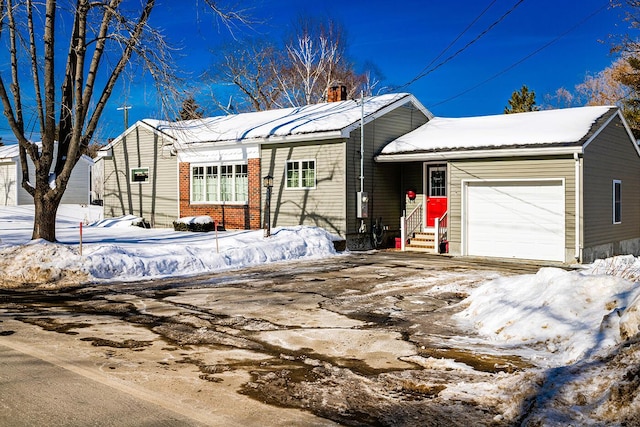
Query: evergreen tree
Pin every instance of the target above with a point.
(521, 101)
(190, 109)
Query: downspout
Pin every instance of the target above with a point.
(576, 158)
(362, 225)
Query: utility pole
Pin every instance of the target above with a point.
(126, 109)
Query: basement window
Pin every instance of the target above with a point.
(617, 201)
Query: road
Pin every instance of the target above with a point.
(346, 340)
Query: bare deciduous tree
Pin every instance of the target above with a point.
(300, 73)
(103, 37)
(252, 66)
(605, 87)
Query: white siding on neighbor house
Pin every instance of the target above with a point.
(8, 184)
(78, 187)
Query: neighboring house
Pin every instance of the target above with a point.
(12, 193)
(559, 185)
(214, 166)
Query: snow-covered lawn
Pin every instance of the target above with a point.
(577, 327)
(114, 249)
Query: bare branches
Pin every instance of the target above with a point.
(103, 39)
(300, 73)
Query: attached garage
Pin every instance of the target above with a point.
(554, 185)
(515, 219)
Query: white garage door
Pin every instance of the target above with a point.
(519, 219)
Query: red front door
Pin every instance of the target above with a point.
(436, 192)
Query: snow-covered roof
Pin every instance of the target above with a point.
(570, 126)
(326, 120)
(11, 152)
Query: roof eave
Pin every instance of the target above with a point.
(384, 110)
(479, 154)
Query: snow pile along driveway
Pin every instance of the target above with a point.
(567, 315)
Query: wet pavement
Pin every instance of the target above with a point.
(357, 339)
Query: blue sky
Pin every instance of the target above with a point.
(403, 38)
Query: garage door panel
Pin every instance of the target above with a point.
(516, 219)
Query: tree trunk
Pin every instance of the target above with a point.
(44, 220)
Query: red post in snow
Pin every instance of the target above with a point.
(215, 225)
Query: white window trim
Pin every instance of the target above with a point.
(131, 180)
(613, 201)
(301, 187)
(219, 165)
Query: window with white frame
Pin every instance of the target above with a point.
(219, 183)
(301, 173)
(617, 201)
(139, 175)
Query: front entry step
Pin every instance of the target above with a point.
(424, 241)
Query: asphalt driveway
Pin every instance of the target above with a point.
(357, 339)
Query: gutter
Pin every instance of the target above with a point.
(478, 154)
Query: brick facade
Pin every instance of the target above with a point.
(231, 216)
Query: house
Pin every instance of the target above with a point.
(214, 166)
(558, 185)
(140, 172)
(78, 187)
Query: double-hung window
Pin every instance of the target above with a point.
(617, 201)
(301, 174)
(219, 183)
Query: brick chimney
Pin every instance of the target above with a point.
(337, 93)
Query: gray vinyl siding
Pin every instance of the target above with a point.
(510, 169)
(382, 182)
(156, 200)
(610, 156)
(332, 204)
(322, 206)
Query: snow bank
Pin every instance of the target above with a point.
(115, 249)
(567, 314)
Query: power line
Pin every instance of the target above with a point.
(454, 40)
(515, 64)
(465, 47)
